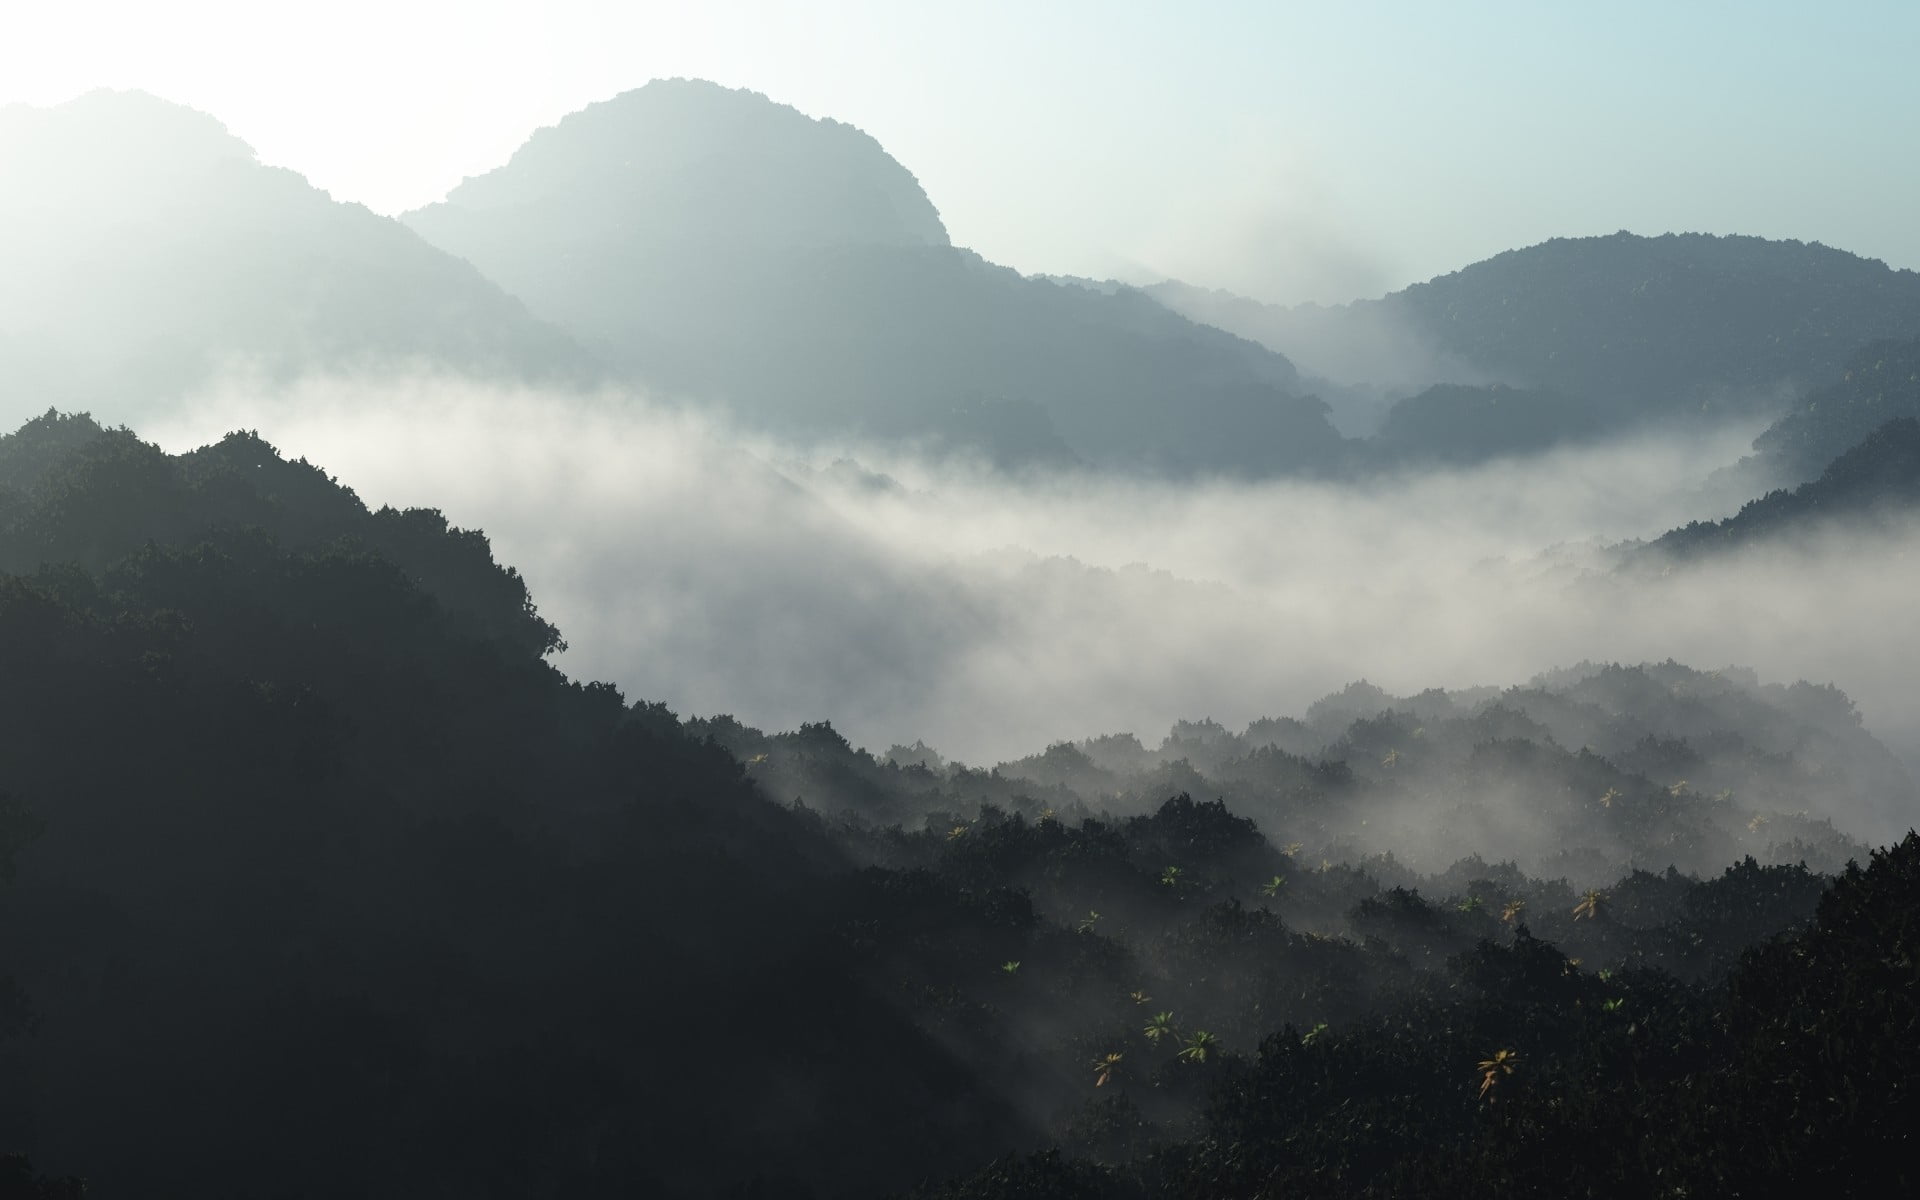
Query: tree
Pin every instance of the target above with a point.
(1160, 1025)
(1592, 903)
(1493, 1070)
(1199, 1046)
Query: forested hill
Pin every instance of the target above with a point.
(728, 248)
(1867, 488)
(1880, 382)
(147, 250)
(317, 879)
(1664, 324)
(1632, 328)
(1581, 774)
(340, 889)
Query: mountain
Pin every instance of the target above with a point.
(147, 250)
(318, 879)
(1879, 383)
(1876, 482)
(730, 248)
(1460, 424)
(1636, 328)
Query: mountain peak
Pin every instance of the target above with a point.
(115, 132)
(680, 155)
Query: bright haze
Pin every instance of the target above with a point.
(747, 333)
(1286, 152)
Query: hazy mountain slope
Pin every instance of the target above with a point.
(1875, 482)
(1879, 383)
(146, 249)
(1637, 327)
(731, 248)
(1459, 423)
(1581, 773)
(1658, 324)
(1352, 344)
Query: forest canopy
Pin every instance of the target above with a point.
(519, 936)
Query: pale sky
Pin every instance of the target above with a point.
(1287, 151)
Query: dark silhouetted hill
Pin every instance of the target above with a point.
(729, 248)
(317, 879)
(320, 881)
(147, 251)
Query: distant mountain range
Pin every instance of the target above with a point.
(715, 247)
(147, 250)
(720, 244)
(1633, 328)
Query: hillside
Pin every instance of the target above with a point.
(731, 249)
(1580, 774)
(1635, 327)
(318, 880)
(1460, 424)
(148, 251)
(1874, 483)
(324, 883)
(1879, 383)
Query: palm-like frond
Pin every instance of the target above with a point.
(1493, 1070)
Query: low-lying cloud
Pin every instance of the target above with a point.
(991, 617)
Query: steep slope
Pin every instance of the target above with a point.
(1879, 383)
(730, 248)
(1876, 482)
(1635, 327)
(147, 250)
(339, 889)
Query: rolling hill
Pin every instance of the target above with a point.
(727, 247)
(150, 253)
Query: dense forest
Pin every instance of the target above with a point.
(323, 881)
(328, 868)
(1869, 488)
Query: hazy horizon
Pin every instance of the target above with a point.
(1289, 155)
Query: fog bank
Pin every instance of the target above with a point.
(905, 599)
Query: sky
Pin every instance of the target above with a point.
(1291, 152)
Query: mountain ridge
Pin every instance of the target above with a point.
(150, 252)
(1678, 326)
(721, 285)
